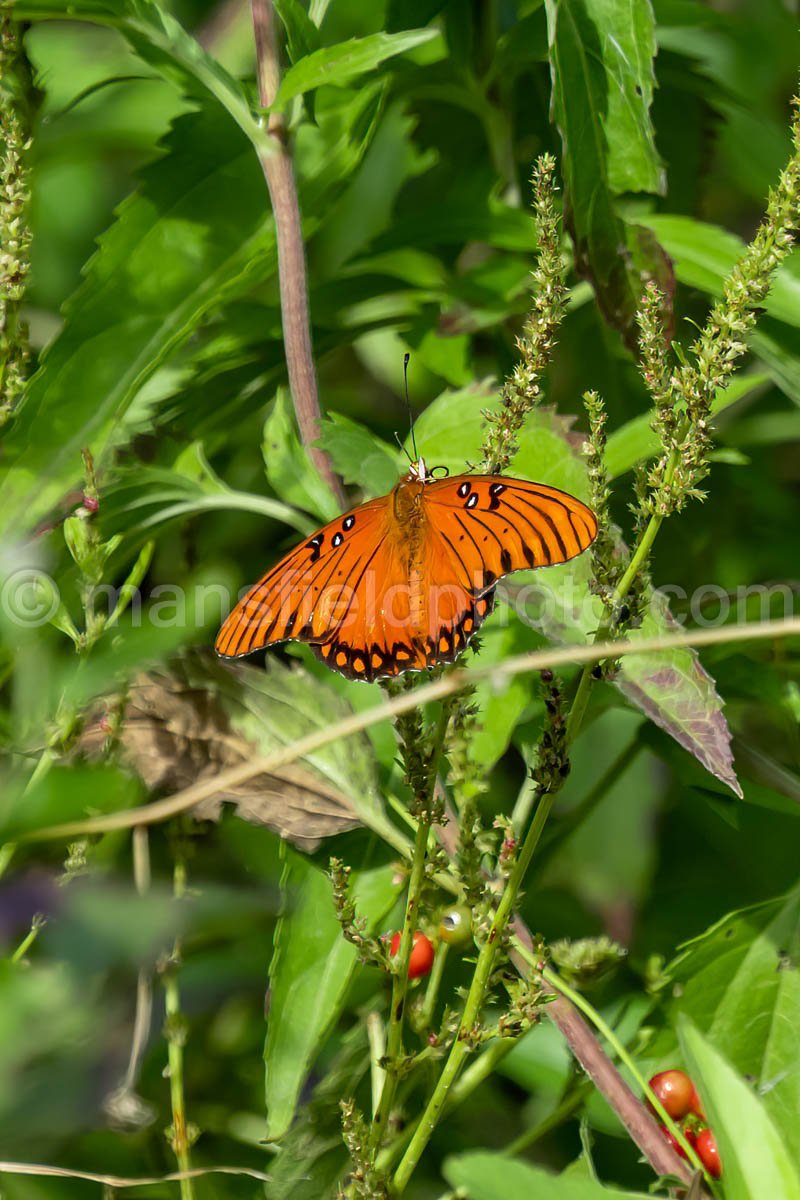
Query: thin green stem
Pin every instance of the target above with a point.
(26, 943)
(569, 1105)
(434, 983)
(394, 1039)
(480, 982)
(523, 803)
(558, 834)
(176, 1037)
(376, 1035)
(620, 1050)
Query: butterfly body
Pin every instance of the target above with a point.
(402, 582)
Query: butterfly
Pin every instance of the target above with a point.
(402, 583)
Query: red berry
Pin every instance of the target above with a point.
(706, 1147)
(668, 1136)
(421, 959)
(696, 1104)
(675, 1090)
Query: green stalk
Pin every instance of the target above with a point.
(26, 943)
(175, 1041)
(638, 559)
(563, 1110)
(619, 1048)
(475, 998)
(470, 1079)
(394, 1040)
(434, 983)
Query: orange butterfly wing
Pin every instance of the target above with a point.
(494, 525)
(304, 596)
(401, 583)
(479, 528)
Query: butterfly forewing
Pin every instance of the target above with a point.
(307, 594)
(496, 525)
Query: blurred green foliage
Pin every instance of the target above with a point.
(154, 309)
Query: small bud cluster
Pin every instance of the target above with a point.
(465, 776)
(364, 1182)
(354, 928)
(522, 392)
(587, 960)
(15, 237)
(420, 753)
(509, 845)
(552, 754)
(684, 391)
(528, 997)
(607, 559)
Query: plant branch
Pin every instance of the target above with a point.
(650, 1136)
(180, 1135)
(479, 987)
(684, 396)
(455, 681)
(394, 1040)
(279, 174)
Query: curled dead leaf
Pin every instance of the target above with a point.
(183, 725)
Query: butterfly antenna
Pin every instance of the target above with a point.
(402, 446)
(406, 358)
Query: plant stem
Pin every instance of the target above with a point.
(448, 685)
(176, 1037)
(575, 998)
(394, 1040)
(570, 1104)
(279, 174)
(480, 982)
(26, 943)
(140, 846)
(470, 1079)
(377, 1050)
(434, 983)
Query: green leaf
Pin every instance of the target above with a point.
(147, 498)
(360, 456)
(197, 228)
(311, 968)
(484, 1176)
(302, 34)
(601, 54)
(636, 440)
(275, 705)
(450, 431)
(160, 40)
(341, 64)
(289, 468)
(675, 691)
(756, 1162)
(739, 983)
(704, 255)
(66, 794)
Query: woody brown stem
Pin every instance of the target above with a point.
(279, 174)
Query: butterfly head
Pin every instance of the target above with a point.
(420, 472)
